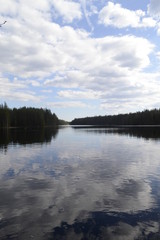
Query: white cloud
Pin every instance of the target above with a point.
(33, 83)
(70, 104)
(137, 96)
(90, 94)
(47, 91)
(148, 22)
(68, 9)
(116, 58)
(86, 14)
(158, 55)
(16, 89)
(115, 15)
(158, 29)
(44, 53)
(117, 68)
(39, 48)
(9, 7)
(154, 8)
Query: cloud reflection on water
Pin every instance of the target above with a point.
(77, 179)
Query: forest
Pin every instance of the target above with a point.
(146, 117)
(26, 117)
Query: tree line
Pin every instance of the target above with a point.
(26, 117)
(146, 117)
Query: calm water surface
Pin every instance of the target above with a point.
(80, 184)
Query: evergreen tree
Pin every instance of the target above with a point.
(26, 117)
(146, 117)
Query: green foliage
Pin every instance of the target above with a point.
(146, 117)
(4, 115)
(26, 117)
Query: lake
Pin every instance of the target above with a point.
(80, 183)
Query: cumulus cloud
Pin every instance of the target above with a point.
(16, 89)
(116, 58)
(64, 57)
(117, 16)
(67, 9)
(143, 93)
(36, 48)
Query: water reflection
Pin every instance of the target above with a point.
(110, 227)
(149, 132)
(26, 136)
(82, 185)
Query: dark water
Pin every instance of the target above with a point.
(80, 184)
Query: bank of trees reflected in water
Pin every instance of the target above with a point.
(147, 133)
(24, 136)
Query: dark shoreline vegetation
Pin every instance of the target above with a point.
(146, 117)
(27, 117)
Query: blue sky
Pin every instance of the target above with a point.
(80, 58)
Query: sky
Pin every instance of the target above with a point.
(80, 58)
